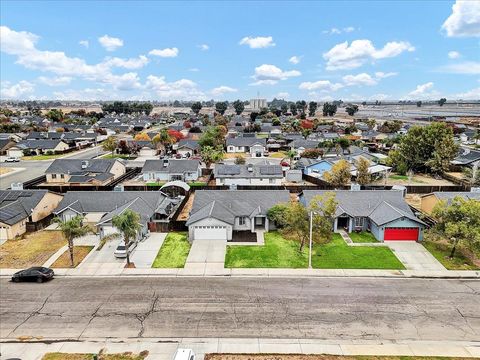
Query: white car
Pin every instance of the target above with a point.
(184, 354)
(121, 251)
(12, 159)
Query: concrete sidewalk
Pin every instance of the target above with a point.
(164, 348)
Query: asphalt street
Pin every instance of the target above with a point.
(320, 308)
(35, 169)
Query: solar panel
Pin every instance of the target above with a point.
(270, 170)
(229, 170)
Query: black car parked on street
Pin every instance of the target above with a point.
(37, 273)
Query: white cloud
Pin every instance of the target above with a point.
(294, 59)
(110, 43)
(282, 95)
(382, 75)
(319, 97)
(194, 69)
(379, 97)
(88, 94)
(464, 20)
(55, 81)
(345, 56)
(17, 42)
(16, 91)
(467, 67)
(424, 91)
(453, 54)
(165, 53)
(360, 79)
(132, 63)
(127, 81)
(183, 89)
(321, 85)
(84, 43)
(267, 74)
(203, 47)
(257, 42)
(223, 90)
(473, 94)
(336, 31)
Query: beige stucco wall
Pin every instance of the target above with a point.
(46, 206)
(16, 229)
(428, 202)
(118, 169)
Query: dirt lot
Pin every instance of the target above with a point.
(5, 170)
(32, 250)
(79, 253)
(414, 200)
(317, 357)
(186, 209)
(417, 179)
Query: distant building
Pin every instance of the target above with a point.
(257, 104)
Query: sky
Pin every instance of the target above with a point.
(227, 50)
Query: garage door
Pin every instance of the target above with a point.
(401, 233)
(3, 233)
(210, 233)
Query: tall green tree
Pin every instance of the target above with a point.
(196, 107)
(293, 109)
(351, 109)
(71, 230)
(128, 224)
(459, 222)
(221, 107)
(212, 137)
(110, 144)
(363, 175)
(442, 101)
(312, 108)
(339, 175)
(211, 155)
(239, 106)
(284, 108)
(329, 109)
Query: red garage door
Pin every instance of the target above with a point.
(401, 233)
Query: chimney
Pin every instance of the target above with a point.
(84, 164)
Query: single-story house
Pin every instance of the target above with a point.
(99, 207)
(84, 172)
(37, 147)
(187, 147)
(22, 208)
(5, 144)
(169, 170)
(301, 145)
(467, 157)
(429, 201)
(314, 167)
(217, 214)
(382, 212)
(248, 174)
(256, 147)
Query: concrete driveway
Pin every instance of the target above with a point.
(206, 256)
(102, 262)
(147, 250)
(414, 256)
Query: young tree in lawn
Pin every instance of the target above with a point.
(196, 107)
(72, 229)
(339, 175)
(363, 175)
(110, 144)
(312, 108)
(239, 106)
(211, 155)
(459, 222)
(128, 224)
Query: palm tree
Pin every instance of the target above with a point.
(72, 229)
(128, 224)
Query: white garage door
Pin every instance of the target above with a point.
(210, 233)
(3, 233)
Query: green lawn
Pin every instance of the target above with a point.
(442, 252)
(43, 157)
(338, 255)
(362, 237)
(118, 156)
(173, 252)
(276, 253)
(159, 183)
(282, 253)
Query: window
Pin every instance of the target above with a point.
(359, 221)
(62, 176)
(241, 220)
(54, 176)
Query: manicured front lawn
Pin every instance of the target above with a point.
(79, 253)
(338, 255)
(159, 183)
(68, 356)
(441, 252)
(32, 250)
(279, 252)
(362, 237)
(276, 253)
(43, 157)
(174, 251)
(277, 155)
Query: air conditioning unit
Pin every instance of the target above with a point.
(16, 186)
(84, 164)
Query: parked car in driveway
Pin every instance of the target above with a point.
(12, 159)
(184, 354)
(37, 273)
(121, 250)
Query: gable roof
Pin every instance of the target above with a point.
(38, 144)
(246, 141)
(16, 205)
(381, 206)
(242, 171)
(74, 166)
(225, 205)
(173, 166)
(466, 156)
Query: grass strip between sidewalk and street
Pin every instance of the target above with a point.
(219, 356)
(102, 356)
(174, 251)
(79, 253)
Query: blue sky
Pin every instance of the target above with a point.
(228, 50)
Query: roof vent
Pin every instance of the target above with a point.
(16, 186)
(84, 164)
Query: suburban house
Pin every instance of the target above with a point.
(170, 170)
(99, 207)
(5, 144)
(300, 145)
(467, 157)
(187, 147)
(22, 210)
(248, 174)
(246, 144)
(429, 201)
(382, 212)
(77, 172)
(37, 147)
(220, 214)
